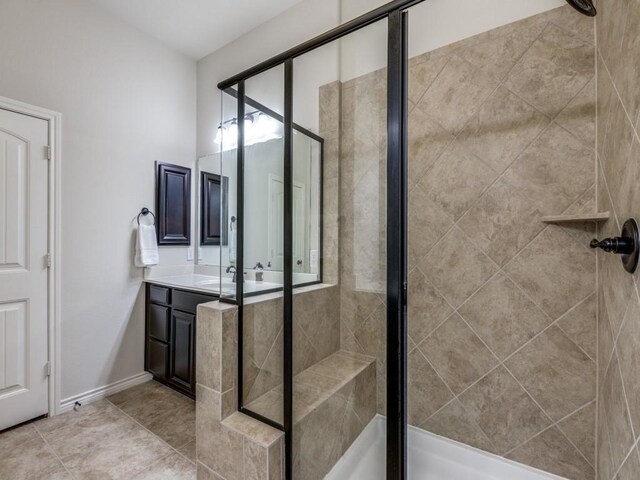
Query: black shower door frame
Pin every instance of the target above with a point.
(397, 147)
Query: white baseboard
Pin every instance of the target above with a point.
(102, 392)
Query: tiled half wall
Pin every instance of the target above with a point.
(502, 307)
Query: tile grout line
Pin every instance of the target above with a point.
(499, 83)
(54, 453)
(156, 436)
(626, 397)
(618, 97)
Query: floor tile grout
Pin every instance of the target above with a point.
(145, 428)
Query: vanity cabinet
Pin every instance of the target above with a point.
(170, 350)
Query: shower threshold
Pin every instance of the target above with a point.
(430, 457)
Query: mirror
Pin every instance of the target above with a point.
(263, 201)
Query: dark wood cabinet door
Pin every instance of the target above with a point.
(158, 323)
(173, 204)
(157, 358)
(183, 331)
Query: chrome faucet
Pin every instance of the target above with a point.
(230, 269)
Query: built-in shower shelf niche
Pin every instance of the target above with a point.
(579, 217)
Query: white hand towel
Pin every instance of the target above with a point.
(146, 246)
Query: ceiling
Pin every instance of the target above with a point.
(195, 27)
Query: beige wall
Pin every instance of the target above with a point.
(618, 34)
(501, 306)
(126, 101)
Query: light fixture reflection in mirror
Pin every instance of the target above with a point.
(258, 127)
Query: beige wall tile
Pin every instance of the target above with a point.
(616, 415)
(631, 467)
(579, 25)
(497, 55)
(556, 67)
(552, 452)
(209, 348)
(629, 357)
(618, 103)
(457, 354)
(503, 316)
(255, 460)
(503, 410)
(426, 392)
(218, 448)
(605, 336)
(553, 171)
(426, 307)
(502, 222)
(456, 267)
(579, 117)
(502, 129)
(427, 142)
(604, 460)
(204, 473)
(427, 224)
(456, 180)
(422, 73)
(555, 271)
(557, 374)
(580, 429)
(453, 421)
(456, 94)
(579, 325)
(625, 58)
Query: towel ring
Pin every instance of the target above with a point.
(145, 211)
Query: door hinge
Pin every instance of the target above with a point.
(48, 369)
(48, 152)
(48, 260)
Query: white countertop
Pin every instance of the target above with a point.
(209, 284)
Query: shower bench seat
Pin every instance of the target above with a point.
(333, 400)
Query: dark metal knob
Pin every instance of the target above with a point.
(618, 245)
(627, 245)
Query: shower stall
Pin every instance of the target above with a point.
(408, 205)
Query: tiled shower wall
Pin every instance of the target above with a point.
(502, 307)
(618, 33)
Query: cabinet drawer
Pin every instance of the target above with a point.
(188, 301)
(159, 318)
(157, 358)
(159, 294)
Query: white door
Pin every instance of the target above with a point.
(299, 225)
(275, 237)
(23, 268)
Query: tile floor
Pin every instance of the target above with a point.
(146, 432)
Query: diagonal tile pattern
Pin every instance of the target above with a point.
(618, 349)
(501, 307)
(115, 438)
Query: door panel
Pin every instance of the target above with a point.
(14, 189)
(182, 343)
(23, 268)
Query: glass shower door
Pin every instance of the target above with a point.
(339, 326)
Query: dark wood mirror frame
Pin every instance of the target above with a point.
(173, 204)
(214, 194)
